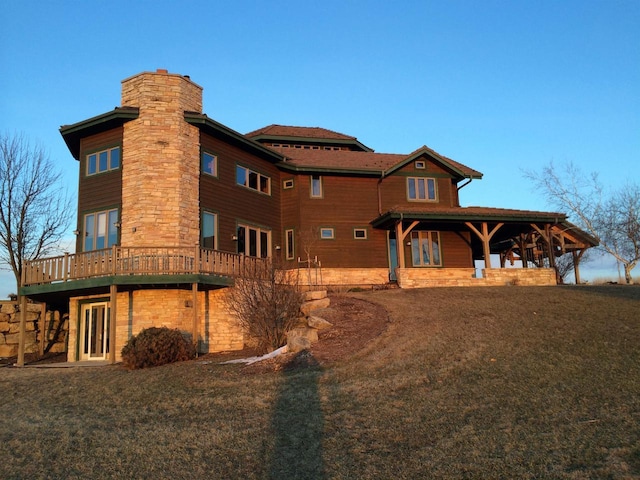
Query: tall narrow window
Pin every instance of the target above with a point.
(100, 230)
(208, 230)
(316, 186)
(290, 245)
(425, 249)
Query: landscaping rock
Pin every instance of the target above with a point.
(312, 305)
(318, 323)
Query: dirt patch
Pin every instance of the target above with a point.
(355, 323)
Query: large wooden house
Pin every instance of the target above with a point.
(171, 203)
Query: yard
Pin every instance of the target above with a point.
(513, 382)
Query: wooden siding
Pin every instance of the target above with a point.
(102, 190)
(234, 203)
(347, 203)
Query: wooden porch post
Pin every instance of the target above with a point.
(113, 305)
(196, 330)
(576, 264)
(22, 331)
(43, 327)
(485, 236)
(400, 236)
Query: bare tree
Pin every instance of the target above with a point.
(267, 301)
(612, 218)
(35, 210)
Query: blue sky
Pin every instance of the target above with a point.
(500, 86)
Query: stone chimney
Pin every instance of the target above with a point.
(160, 162)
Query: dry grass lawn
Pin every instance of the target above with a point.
(510, 382)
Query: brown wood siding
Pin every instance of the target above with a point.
(454, 246)
(103, 190)
(234, 203)
(290, 211)
(347, 203)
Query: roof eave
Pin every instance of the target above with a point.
(208, 125)
(72, 134)
(312, 140)
(285, 165)
(466, 217)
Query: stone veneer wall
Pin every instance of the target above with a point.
(10, 328)
(160, 162)
(172, 308)
(464, 277)
(345, 276)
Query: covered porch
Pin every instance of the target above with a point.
(480, 246)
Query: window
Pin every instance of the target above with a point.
(420, 164)
(288, 183)
(360, 233)
(210, 164)
(208, 230)
(289, 246)
(254, 241)
(327, 233)
(100, 230)
(421, 189)
(316, 186)
(103, 161)
(425, 249)
(253, 180)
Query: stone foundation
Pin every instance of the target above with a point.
(466, 277)
(352, 277)
(35, 330)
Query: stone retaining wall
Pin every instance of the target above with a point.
(34, 331)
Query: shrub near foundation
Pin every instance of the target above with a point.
(156, 346)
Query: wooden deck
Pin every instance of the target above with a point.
(133, 261)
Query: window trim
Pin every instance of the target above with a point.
(259, 231)
(215, 163)
(215, 229)
(95, 228)
(426, 189)
(363, 230)
(320, 186)
(248, 171)
(288, 184)
(330, 230)
(289, 244)
(426, 235)
(420, 165)
(97, 153)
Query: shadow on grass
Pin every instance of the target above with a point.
(298, 423)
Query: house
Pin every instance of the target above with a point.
(171, 203)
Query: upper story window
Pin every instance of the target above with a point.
(288, 183)
(103, 161)
(420, 164)
(100, 230)
(360, 233)
(316, 186)
(210, 164)
(253, 180)
(327, 233)
(421, 189)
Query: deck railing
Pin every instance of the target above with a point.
(133, 261)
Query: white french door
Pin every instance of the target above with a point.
(94, 331)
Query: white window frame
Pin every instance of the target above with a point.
(214, 163)
(289, 244)
(330, 233)
(287, 184)
(262, 235)
(422, 244)
(312, 181)
(424, 194)
(103, 225)
(365, 234)
(420, 164)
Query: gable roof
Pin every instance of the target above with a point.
(311, 135)
(366, 163)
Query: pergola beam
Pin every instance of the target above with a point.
(485, 237)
